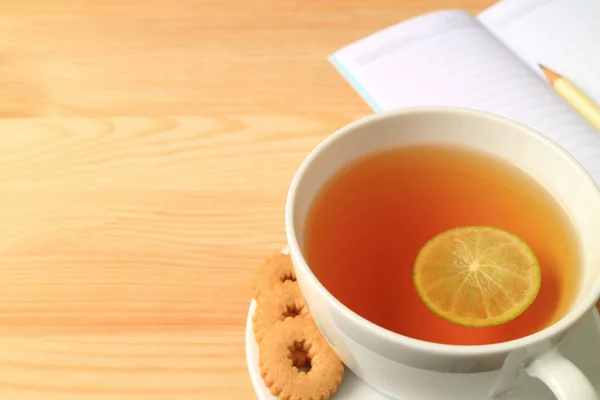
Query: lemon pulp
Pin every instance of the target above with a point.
(477, 275)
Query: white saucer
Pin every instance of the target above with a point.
(582, 348)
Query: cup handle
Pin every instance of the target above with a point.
(562, 377)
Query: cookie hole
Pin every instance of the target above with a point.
(288, 277)
(300, 357)
(292, 311)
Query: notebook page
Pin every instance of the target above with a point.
(449, 58)
(564, 35)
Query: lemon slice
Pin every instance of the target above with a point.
(477, 276)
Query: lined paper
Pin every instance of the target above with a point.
(561, 34)
(449, 58)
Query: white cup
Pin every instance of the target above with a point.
(411, 369)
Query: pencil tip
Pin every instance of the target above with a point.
(550, 75)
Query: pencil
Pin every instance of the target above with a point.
(572, 95)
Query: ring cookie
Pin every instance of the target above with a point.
(296, 362)
(277, 363)
(271, 273)
(285, 301)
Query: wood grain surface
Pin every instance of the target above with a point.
(128, 247)
(130, 232)
(186, 57)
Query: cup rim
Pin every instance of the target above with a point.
(585, 305)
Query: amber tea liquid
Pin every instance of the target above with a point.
(368, 223)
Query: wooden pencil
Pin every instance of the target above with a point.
(574, 96)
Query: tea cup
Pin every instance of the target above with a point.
(407, 368)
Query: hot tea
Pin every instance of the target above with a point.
(368, 223)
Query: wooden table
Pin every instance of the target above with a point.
(145, 153)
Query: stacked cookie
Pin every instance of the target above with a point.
(295, 360)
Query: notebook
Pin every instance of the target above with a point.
(489, 62)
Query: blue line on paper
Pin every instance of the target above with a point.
(355, 84)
